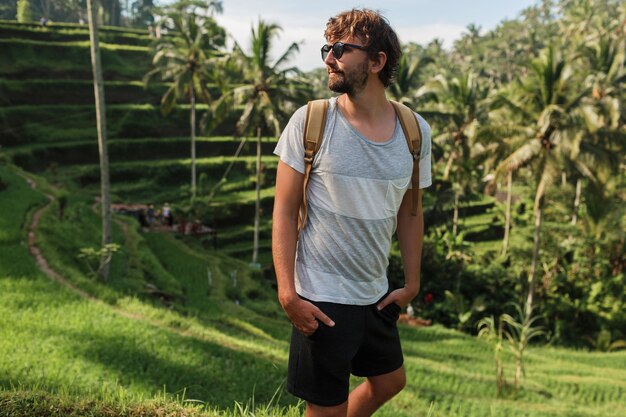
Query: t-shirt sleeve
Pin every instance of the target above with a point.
(290, 147)
(426, 179)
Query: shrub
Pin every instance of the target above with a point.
(491, 281)
(24, 11)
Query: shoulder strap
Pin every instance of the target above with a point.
(313, 133)
(413, 135)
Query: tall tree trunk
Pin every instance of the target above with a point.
(509, 73)
(98, 86)
(536, 247)
(455, 218)
(519, 367)
(192, 122)
(507, 212)
(257, 211)
(579, 187)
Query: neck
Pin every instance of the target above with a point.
(371, 102)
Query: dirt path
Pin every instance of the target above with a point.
(42, 263)
(44, 266)
(226, 341)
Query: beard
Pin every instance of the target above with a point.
(352, 82)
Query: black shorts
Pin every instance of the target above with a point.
(364, 342)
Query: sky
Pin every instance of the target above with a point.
(418, 21)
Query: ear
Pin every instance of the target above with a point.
(378, 64)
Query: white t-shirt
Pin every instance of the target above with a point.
(354, 194)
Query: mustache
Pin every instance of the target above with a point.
(330, 69)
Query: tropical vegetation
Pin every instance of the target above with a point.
(526, 218)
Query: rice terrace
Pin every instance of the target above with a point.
(136, 271)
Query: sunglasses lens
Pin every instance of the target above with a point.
(325, 50)
(338, 50)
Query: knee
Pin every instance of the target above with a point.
(398, 383)
(314, 410)
(390, 386)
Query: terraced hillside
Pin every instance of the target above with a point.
(47, 126)
(179, 323)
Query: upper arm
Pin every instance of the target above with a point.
(407, 204)
(289, 189)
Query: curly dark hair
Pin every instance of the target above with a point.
(373, 29)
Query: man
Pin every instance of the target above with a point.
(331, 276)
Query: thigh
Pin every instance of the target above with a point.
(320, 364)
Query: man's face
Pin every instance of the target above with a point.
(349, 73)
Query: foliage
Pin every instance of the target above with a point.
(493, 332)
(124, 356)
(605, 343)
(519, 332)
(463, 309)
(545, 88)
(186, 56)
(27, 58)
(474, 287)
(24, 11)
(102, 257)
(142, 13)
(267, 91)
(76, 92)
(43, 404)
(185, 59)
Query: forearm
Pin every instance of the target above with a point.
(410, 238)
(284, 239)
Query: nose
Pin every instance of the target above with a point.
(330, 58)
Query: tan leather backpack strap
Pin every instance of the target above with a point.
(313, 133)
(413, 135)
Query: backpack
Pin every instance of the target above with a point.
(314, 133)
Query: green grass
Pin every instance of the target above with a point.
(53, 340)
(167, 172)
(31, 124)
(58, 348)
(71, 26)
(25, 58)
(76, 92)
(68, 32)
(37, 156)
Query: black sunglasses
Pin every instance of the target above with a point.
(338, 48)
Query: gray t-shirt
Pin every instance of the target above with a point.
(354, 193)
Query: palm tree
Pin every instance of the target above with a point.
(268, 91)
(459, 104)
(548, 102)
(185, 58)
(500, 135)
(410, 71)
(105, 188)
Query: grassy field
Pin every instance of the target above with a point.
(133, 352)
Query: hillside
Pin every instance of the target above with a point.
(183, 325)
(47, 125)
(62, 349)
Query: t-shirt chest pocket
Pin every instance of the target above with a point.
(395, 192)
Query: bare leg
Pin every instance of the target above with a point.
(365, 399)
(313, 410)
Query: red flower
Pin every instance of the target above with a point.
(428, 298)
